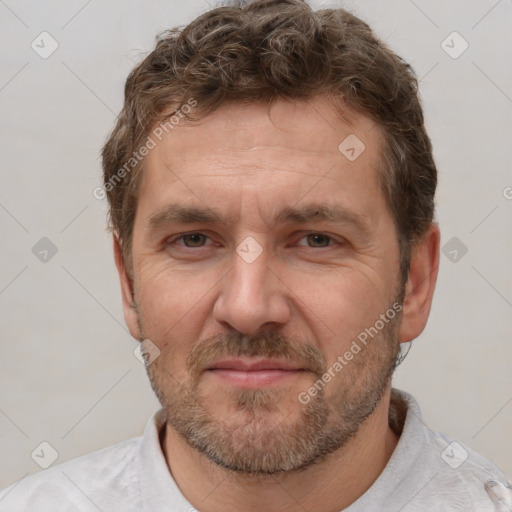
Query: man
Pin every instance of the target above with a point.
(271, 189)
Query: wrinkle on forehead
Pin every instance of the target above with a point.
(242, 153)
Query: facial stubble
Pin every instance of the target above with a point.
(262, 437)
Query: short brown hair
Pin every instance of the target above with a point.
(266, 50)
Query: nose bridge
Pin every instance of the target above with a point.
(250, 277)
(250, 296)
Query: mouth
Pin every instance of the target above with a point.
(259, 373)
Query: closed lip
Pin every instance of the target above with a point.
(253, 365)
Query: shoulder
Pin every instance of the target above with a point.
(104, 479)
(443, 474)
(466, 477)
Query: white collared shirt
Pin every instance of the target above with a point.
(427, 472)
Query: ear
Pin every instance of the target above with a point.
(130, 312)
(420, 285)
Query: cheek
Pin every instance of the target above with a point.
(339, 305)
(169, 304)
(175, 306)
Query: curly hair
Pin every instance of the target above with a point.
(266, 50)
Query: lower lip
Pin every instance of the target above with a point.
(255, 378)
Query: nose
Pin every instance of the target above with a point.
(251, 296)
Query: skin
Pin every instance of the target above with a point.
(246, 162)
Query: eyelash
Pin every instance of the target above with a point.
(331, 240)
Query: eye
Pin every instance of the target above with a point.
(188, 240)
(192, 246)
(317, 240)
(193, 239)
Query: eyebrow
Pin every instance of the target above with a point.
(174, 214)
(318, 212)
(315, 212)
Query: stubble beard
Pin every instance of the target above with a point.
(262, 439)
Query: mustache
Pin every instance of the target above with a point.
(268, 344)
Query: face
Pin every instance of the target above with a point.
(265, 267)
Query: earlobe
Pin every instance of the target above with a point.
(420, 285)
(129, 306)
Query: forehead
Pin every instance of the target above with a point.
(313, 126)
(294, 147)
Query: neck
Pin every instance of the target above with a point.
(330, 485)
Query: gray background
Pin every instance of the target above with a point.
(67, 372)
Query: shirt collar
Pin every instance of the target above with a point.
(406, 420)
(159, 490)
